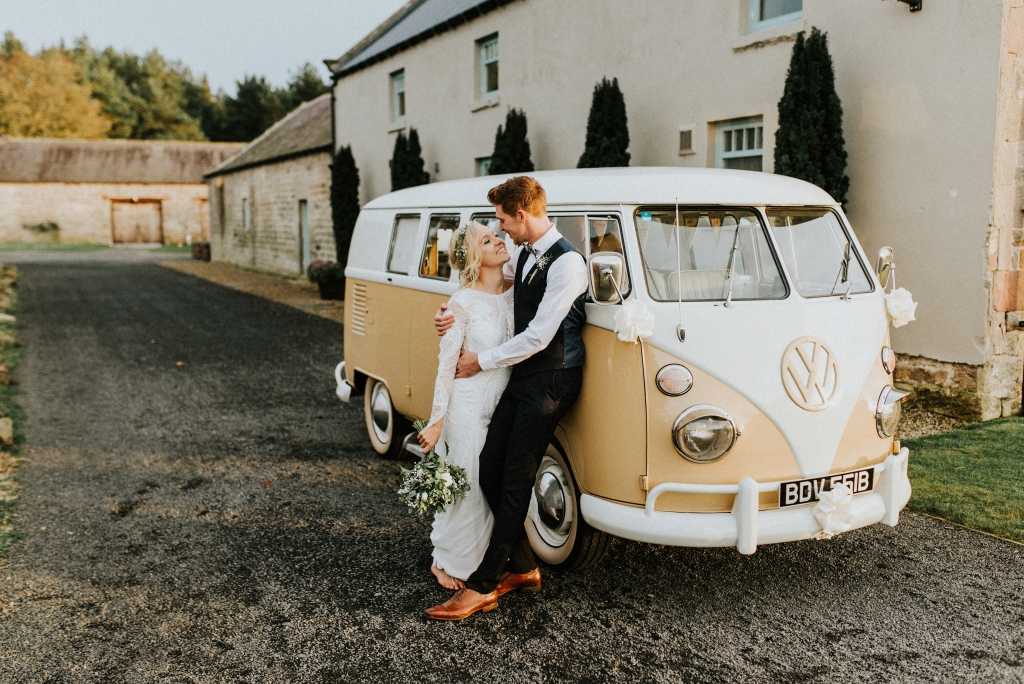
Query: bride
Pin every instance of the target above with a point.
(462, 408)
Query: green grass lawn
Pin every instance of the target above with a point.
(49, 247)
(973, 476)
(172, 249)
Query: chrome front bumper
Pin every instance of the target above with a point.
(745, 526)
(344, 390)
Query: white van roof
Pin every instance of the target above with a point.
(629, 185)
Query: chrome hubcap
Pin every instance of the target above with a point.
(554, 501)
(380, 412)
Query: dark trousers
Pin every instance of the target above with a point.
(521, 428)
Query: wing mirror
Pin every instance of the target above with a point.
(607, 277)
(884, 266)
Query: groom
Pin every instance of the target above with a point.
(546, 356)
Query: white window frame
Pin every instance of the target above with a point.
(757, 24)
(488, 49)
(721, 154)
(398, 100)
(483, 166)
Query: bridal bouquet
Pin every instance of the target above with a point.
(433, 484)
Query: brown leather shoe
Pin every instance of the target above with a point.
(464, 603)
(527, 582)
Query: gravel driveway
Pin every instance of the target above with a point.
(198, 507)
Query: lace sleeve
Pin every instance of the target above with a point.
(451, 345)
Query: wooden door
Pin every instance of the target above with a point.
(137, 222)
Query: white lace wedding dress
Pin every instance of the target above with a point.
(482, 321)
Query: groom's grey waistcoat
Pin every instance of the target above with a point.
(566, 348)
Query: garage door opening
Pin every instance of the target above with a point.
(138, 222)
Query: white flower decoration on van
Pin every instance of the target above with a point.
(833, 511)
(634, 321)
(900, 306)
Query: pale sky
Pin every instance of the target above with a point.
(224, 39)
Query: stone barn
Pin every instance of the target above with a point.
(270, 204)
(105, 191)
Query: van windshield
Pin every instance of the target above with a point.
(819, 255)
(709, 255)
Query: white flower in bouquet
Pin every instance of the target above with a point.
(433, 484)
(634, 321)
(900, 306)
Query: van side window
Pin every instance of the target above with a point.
(403, 244)
(492, 222)
(435, 262)
(573, 229)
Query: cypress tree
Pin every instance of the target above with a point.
(607, 129)
(399, 159)
(344, 201)
(407, 162)
(809, 143)
(511, 148)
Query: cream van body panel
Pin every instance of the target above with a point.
(761, 452)
(424, 348)
(606, 430)
(743, 346)
(382, 350)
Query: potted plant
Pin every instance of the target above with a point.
(201, 251)
(329, 277)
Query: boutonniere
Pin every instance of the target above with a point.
(542, 262)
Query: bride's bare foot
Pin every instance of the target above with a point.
(446, 580)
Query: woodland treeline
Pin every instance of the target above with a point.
(82, 92)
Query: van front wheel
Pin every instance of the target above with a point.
(558, 534)
(385, 427)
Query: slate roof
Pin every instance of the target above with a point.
(48, 160)
(417, 21)
(306, 130)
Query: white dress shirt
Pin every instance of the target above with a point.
(567, 280)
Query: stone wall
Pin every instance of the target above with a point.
(272, 242)
(999, 380)
(84, 210)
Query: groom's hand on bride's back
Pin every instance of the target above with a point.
(469, 365)
(443, 320)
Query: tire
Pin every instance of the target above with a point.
(558, 534)
(385, 428)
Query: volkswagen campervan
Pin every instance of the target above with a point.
(765, 381)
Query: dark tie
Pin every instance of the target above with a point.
(531, 249)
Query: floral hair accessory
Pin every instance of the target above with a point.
(460, 244)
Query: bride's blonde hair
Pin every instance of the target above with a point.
(465, 256)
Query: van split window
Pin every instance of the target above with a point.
(708, 255)
(818, 253)
(402, 256)
(591, 234)
(435, 262)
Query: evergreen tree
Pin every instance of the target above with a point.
(398, 161)
(607, 129)
(305, 85)
(511, 148)
(344, 200)
(254, 109)
(809, 143)
(407, 162)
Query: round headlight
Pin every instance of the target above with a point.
(889, 412)
(704, 434)
(888, 360)
(674, 380)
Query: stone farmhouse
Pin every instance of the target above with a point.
(932, 121)
(105, 191)
(270, 204)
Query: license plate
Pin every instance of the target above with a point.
(799, 492)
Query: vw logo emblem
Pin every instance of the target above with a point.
(810, 374)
